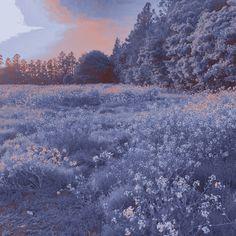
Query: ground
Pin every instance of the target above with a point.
(116, 160)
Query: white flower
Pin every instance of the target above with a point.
(30, 213)
(129, 212)
(205, 230)
(226, 154)
(137, 188)
(141, 224)
(64, 150)
(160, 227)
(137, 176)
(196, 183)
(205, 214)
(127, 232)
(73, 163)
(179, 195)
(95, 158)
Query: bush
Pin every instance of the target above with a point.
(94, 67)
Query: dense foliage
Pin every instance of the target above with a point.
(116, 160)
(94, 67)
(189, 44)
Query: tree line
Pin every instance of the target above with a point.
(52, 71)
(186, 45)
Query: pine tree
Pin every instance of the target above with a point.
(16, 60)
(126, 62)
(9, 73)
(32, 72)
(62, 67)
(116, 59)
(50, 71)
(1, 60)
(24, 71)
(71, 61)
(43, 73)
(8, 62)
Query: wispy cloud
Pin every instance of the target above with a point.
(12, 21)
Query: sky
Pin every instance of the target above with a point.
(43, 28)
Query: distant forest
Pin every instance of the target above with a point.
(186, 45)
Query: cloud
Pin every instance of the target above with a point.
(85, 33)
(92, 24)
(12, 21)
(42, 28)
(114, 9)
(32, 43)
(89, 34)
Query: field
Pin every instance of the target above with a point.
(116, 160)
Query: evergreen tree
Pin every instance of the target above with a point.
(32, 72)
(1, 60)
(50, 71)
(9, 72)
(44, 79)
(24, 71)
(8, 62)
(62, 64)
(128, 55)
(71, 62)
(116, 58)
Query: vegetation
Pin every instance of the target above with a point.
(188, 45)
(116, 160)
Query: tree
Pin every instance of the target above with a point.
(16, 60)
(1, 69)
(9, 74)
(71, 63)
(116, 58)
(1, 60)
(197, 55)
(94, 67)
(62, 65)
(8, 62)
(151, 58)
(213, 56)
(24, 71)
(50, 71)
(125, 57)
(44, 79)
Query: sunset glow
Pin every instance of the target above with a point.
(43, 28)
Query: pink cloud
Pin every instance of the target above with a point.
(85, 34)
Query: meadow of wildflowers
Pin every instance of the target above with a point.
(116, 160)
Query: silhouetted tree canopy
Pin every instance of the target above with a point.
(94, 67)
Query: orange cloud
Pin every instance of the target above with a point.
(85, 34)
(89, 34)
(59, 12)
